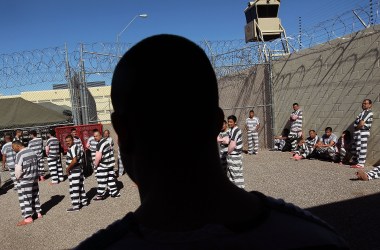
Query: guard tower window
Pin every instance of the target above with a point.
(267, 10)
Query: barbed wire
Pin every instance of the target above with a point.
(32, 67)
(346, 23)
(48, 66)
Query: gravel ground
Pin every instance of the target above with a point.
(326, 189)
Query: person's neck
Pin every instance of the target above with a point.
(181, 206)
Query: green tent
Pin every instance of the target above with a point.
(19, 113)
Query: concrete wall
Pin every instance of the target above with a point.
(247, 90)
(329, 82)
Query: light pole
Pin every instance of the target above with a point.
(119, 34)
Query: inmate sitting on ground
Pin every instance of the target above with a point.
(187, 202)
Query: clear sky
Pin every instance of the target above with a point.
(28, 25)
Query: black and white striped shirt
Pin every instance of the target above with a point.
(53, 145)
(9, 154)
(37, 146)
(310, 142)
(223, 147)
(252, 123)
(78, 142)
(27, 160)
(92, 142)
(296, 125)
(110, 141)
(73, 152)
(108, 159)
(236, 135)
(367, 117)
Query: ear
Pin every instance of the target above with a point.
(117, 124)
(219, 119)
(125, 139)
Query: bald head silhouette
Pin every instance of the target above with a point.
(161, 87)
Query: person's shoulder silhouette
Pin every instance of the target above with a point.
(187, 201)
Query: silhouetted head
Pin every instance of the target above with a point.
(51, 132)
(74, 132)
(172, 76)
(33, 133)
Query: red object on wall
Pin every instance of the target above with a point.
(83, 132)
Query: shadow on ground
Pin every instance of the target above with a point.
(54, 200)
(357, 220)
(7, 185)
(91, 193)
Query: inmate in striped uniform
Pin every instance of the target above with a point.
(223, 139)
(343, 145)
(78, 142)
(110, 141)
(54, 160)
(374, 173)
(295, 127)
(253, 134)
(328, 153)
(91, 145)
(105, 174)
(36, 145)
(307, 147)
(234, 158)
(120, 163)
(361, 135)
(76, 178)
(27, 177)
(10, 156)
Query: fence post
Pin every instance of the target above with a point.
(71, 86)
(83, 88)
(272, 120)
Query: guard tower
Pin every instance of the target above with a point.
(263, 24)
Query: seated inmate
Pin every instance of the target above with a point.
(325, 149)
(343, 147)
(306, 147)
(187, 202)
(280, 140)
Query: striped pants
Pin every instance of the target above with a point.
(279, 144)
(294, 136)
(77, 192)
(55, 169)
(106, 177)
(304, 151)
(120, 164)
(253, 141)
(342, 153)
(13, 176)
(121, 167)
(374, 173)
(235, 170)
(327, 153)
(93, 153)
(41, 167)
(359, 146)
(28, 197)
